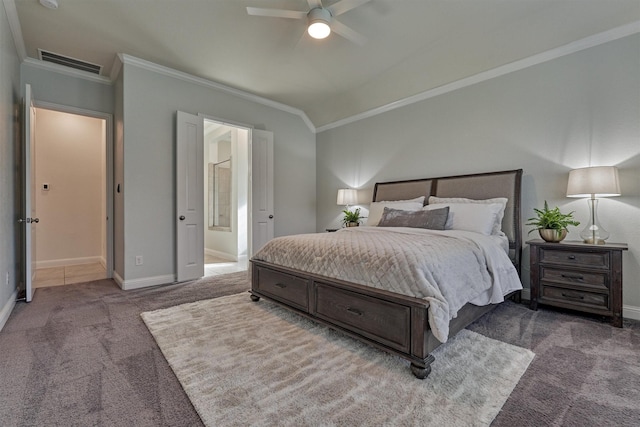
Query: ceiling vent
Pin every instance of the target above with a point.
(66, 61)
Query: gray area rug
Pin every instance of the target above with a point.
(247, 363)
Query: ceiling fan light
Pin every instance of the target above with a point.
(319, 29)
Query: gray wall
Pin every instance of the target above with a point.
(150, 102)
(9, 134)
(64, 89)
(546, 119)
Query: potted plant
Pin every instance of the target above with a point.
(551, 223)
(351, 219)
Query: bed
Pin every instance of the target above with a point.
(373, 305)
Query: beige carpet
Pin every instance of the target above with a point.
(247, 363)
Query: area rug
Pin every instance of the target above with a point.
(255, 363)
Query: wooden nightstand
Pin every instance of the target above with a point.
(578, 276)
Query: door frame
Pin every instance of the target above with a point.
(250, 129)
(109, 166)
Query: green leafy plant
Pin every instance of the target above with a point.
(551, 219)
(351, 217)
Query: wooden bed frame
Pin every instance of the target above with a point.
(392, 322)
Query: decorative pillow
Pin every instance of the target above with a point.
(497, 227)
(376, 208)
(478, 217)
(433, 219)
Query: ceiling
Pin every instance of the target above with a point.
(412, 46)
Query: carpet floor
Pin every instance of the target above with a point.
(247, 363)
(81, 355)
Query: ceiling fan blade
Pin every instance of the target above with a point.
(276, 13)
(313, 4)
(345, 6)
(348, 33)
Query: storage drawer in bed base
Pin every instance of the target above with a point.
(391, 322)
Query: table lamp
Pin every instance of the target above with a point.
(595, 181)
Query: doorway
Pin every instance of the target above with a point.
(226, 197)
(72, 170)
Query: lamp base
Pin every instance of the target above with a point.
(596, 242)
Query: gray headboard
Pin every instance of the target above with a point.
(475, 186)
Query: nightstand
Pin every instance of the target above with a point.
(578, 276)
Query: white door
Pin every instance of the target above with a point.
(28, 219)
(189, 200)
(261, 189)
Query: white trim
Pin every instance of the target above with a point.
(64, 262)
(49, 66)
(160, 69)
(630, 312)
(573, 47)
(219, 254)
(7, 309)
(127, 285)
(16, 28)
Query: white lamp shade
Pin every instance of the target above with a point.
(599, 181)
(347, 196)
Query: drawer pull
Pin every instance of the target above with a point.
(573, 276)
(571, 257)
(281, 285)
(581, 297)
(354, 311)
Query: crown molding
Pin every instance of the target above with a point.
(15, 28)
(568, 49)
(170, 72)
(67, 71)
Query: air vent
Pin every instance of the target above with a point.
(66, 61)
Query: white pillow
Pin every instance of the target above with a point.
(477, 217)
(497, 227)
(376, 208)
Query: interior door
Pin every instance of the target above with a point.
(189, 197)
(28, 219)
(261, 189)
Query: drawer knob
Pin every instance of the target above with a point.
(354, 311)
(573, 277)
(571, 257)
(573, 296)
(281, 285)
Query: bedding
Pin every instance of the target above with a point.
(446, 268)
(434, 219)
(497, 226)
(377, 208)
(480, 218)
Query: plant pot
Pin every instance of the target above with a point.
(352, 224)
(552, 235)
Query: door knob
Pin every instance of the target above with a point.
(270, 216)
(182, 218)
(36, 220)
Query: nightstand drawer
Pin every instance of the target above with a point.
(593, 280)
(598, 260)
(573, 297)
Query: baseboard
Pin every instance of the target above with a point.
(127, 285)
(628, 311)
(7, 309)
(219, 254)
(70, 261)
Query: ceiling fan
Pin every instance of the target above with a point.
(320, 20)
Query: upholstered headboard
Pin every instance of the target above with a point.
(476, 186)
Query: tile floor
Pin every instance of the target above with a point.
(58, 276)
(215, 266)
